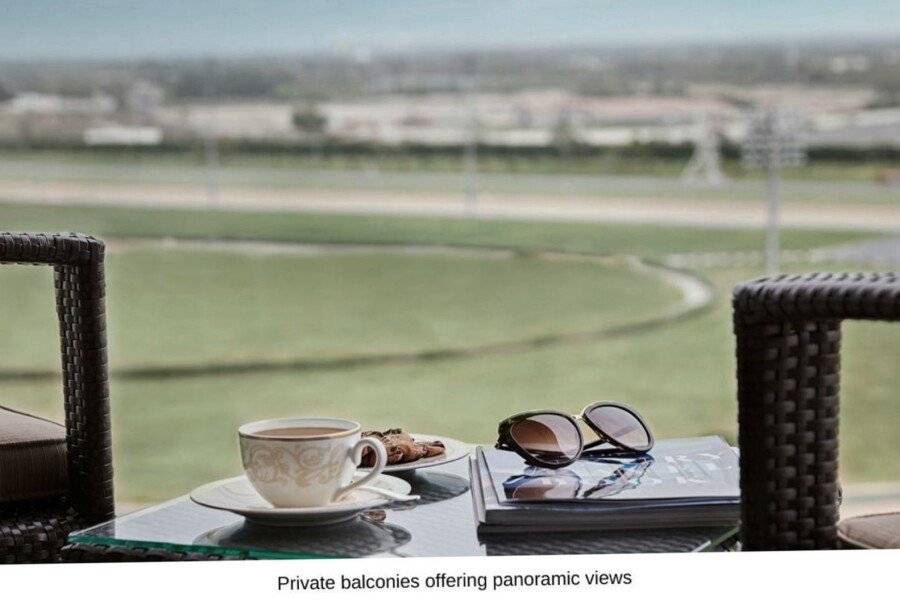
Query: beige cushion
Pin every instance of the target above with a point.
(32, 456)
(871, 531)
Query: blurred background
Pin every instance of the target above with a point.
(432, 215)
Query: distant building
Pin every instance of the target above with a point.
(231, 120)
(51, 104)
(123, 135)
(530, 117)
(837, 116)
(144, 98)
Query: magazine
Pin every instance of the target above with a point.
(682, 482)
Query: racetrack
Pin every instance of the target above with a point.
(677, 210)
(182, 182)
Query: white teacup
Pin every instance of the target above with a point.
(305, 461)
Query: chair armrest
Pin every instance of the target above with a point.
(788, 334)
(78, 264)
(868, 296)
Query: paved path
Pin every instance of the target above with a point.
(688, 211)
(879, 253)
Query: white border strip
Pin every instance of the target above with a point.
(733, 576)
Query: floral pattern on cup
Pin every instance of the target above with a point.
(303, 466)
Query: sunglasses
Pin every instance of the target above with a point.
(553, 439)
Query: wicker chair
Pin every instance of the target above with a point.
(788, 332)
(34, 531)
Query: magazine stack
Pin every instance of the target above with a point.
(680, 483)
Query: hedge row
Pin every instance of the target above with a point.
(328, 149)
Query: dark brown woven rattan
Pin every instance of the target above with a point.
(788, 331)
(35, 531)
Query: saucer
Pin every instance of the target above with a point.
(237, 495)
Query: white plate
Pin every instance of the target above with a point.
(238, 496)
(453, 450)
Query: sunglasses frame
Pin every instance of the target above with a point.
(505, 440)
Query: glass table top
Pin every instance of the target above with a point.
(441, 523)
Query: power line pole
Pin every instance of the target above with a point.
(209, 141)
(773, 222)
(211, 163)
(773, 141)
(470, 156)
(471, 161)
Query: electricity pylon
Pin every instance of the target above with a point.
(705, 166)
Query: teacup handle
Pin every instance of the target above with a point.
(356, 457)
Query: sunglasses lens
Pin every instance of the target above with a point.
(550, 438)
(620, 425)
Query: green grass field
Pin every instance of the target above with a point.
(179, 307)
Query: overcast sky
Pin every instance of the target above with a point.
(32, 29)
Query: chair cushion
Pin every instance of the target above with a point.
(32, 456)
(871, 531)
